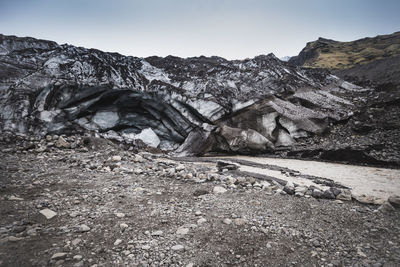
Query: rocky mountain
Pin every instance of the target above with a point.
(193, 105)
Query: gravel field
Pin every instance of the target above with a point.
(113, 207)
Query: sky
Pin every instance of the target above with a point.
(228, 28)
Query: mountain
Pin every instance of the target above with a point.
(192, 106)
(368, 61)
(330, 54)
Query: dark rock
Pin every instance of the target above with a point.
(18, 229)
(336, 191)
(200, 192)
(316, 193)
(328, 194)
(289, 190)
(227, 165)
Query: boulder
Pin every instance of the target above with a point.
(149, 137)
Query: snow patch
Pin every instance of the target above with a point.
(148, 136)
(152, 73)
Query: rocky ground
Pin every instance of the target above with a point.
(78, 201)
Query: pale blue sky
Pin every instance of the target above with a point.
(229, 28)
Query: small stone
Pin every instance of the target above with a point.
(58, 256)
(15, 198)
(227, 221)
(123, 226)
(178, 248)
(120, 215)
(219, 190)
(146, 247)
(62, 143)
(289, 190)
(18, 229)
(78, 257)
(360, 253)
(157, 233)
(180, 167)
(116, 158)
(11, 239)
(83, 228)
(182, 231)
(197, 213)
(138, 158)
(138, 171)
(221, 165)
(76, 241)
(200, 192)
(201, 221)
(117, 242)
(48, 213)
(73, 214)
(240, 221)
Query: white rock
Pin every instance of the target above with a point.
(83, 228)
(123, 225)
(138, 171)
(116, 158)
(227, 221)
(48, 213)
(78, 257)
(76, 241)
(157, 233)
(15, 198)
(219, 190)
(180, 167)
(182, 231)
(120, 215)
(146, 247)
(178, 248)
(201, 221)
(240, 221)
(117, 242)
(58, 256)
